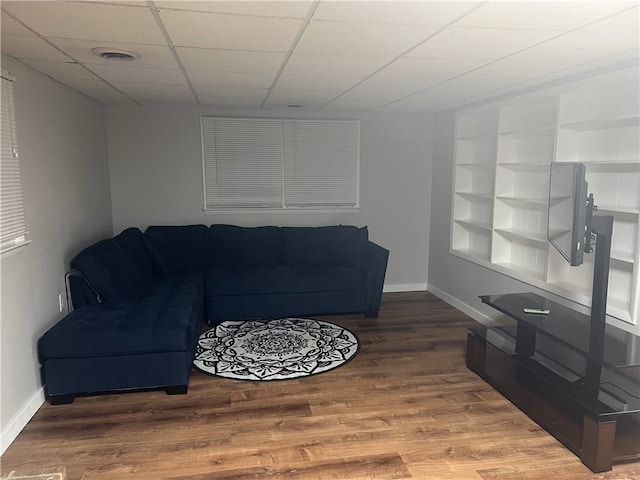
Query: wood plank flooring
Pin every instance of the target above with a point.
(405, 407)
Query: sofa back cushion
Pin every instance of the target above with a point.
(230, 245)
(108, 270)
(177, 248)
(339, 245)
(131, 243)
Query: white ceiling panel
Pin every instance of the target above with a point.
(472, 84)
(394, 12)
(115, 74)
(230, 32)
(368, 40)
(304, 97)
(89, 21)
(520, 69)
(354, 66)
(31, 47)
(207, 91)
(488, 43)
(555, 15)
(60, 70)
(413, 74)
(420, 102)
(230, 60)
(97, 90)
(231, 102)
(580, 44)
(230, 79)
(361, 93)
(395, 55)
(11, 27)
(289, 9)
(151, 56)
(351, 105)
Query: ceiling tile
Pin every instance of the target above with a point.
(556, 15)
(616, 34)
(488, 43)
(393, 12)
(230, 60)
(307, 106)
(208, 91)
(147, 94)
(230, 79)
(351, 105)
(369, 40)
(422, 101)
(60, 70)
(97, 90)
(230, 102)
(115, 74)
(519, 69)
(413, 74)
(10, 27)
(31, 47)
(304, 96)
(89, 21)
(315, 82)
(289, 9)
(230, 32)
(307, 64)
(472, 84)
(151, 56)
(361, 94)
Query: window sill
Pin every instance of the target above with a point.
(253, 211)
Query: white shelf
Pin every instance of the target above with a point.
(535, 237)
(501, 181)
(474, 224)
(602, 124)
(534, 202)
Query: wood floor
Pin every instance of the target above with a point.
(405, 407)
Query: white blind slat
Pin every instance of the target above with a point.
(275, 163)
(13, 229)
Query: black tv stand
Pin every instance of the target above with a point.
(543, 365)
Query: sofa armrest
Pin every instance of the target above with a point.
(79, 291)
(374, 267)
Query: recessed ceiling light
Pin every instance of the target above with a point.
(115, 54)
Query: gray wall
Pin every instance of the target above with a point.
(156, 178)
(65, 175)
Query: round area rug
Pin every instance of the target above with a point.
(274, 349)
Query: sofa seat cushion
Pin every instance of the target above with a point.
(221, 281)
(160, 319)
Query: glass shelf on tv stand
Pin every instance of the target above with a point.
(554, 347)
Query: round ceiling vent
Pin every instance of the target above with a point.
(115, 54)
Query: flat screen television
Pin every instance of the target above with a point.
(568, 210)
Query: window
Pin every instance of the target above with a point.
(13, 229)
(281, 164)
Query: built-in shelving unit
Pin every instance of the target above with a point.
(503, 154)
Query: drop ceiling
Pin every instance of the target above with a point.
(396, 56)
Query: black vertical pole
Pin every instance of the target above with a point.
(603, 228)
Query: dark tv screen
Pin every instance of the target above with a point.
(567, 210)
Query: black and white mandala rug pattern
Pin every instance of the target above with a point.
(274, 349)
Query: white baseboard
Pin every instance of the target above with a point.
(20, 419)
(404, 287)
(463, 307)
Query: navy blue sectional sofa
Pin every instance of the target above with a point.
(139, 300)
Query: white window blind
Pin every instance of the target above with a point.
(13, 229)
(321, 163)
(275, 163)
